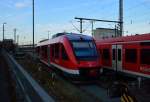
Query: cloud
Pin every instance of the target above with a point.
(22, 4)
(147, 0)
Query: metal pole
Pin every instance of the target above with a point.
(96, 20)
(80, 25)
(33, 23)
(4, 30)
(139, 82)
(115, 31)
(92, 27)
(48, 34)
(17, 39)
(15, 35)
(121, 17)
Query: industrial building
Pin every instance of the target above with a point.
(99, 33)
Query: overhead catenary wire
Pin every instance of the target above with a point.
(74, 26)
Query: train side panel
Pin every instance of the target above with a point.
(105, 52)
(133, 53)
(131, 57)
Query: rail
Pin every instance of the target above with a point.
(32, 91)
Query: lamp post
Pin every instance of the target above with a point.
(17, 39)
(48, 34)
(4, 30)
(33, 22)
(15, 35)
(92, 22)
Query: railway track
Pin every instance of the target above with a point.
(60, 88)
(92, 88)
(97, 90)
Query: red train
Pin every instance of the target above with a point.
(73, 54)
(130, 54)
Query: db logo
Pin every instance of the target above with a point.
(145, 69)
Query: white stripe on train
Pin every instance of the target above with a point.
(70, 71)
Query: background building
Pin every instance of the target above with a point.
(100, 33)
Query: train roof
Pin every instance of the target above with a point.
(70, 36)
(74, 36)
(132, 38)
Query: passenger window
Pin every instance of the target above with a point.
(52, 49)
(38, 50)
(145, 43)
(64, 54)
(56, 50)
(131, 55)
(44, 51)
(145, 56)
(106, 54)
(119, 54)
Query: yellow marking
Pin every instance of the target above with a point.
(130, 99)
(122, 99)
(125, 98)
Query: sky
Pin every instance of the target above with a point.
(58, 16)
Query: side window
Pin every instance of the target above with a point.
(131, 55)
(119, 54)
(56, 51)
(64, 54)
(52, 51)
(145, 56)
(114, 54)
(106, 54)
(37, 50)
(45, 50)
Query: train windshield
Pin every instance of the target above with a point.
(85, 50)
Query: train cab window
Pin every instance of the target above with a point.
(56, 50)
(85, 50)
(131, 55)
(145, 56)
(119, 54)
(64, 54)
(114, 54)
(106, 54)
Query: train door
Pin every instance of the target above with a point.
(114, 57)
(117, 57)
